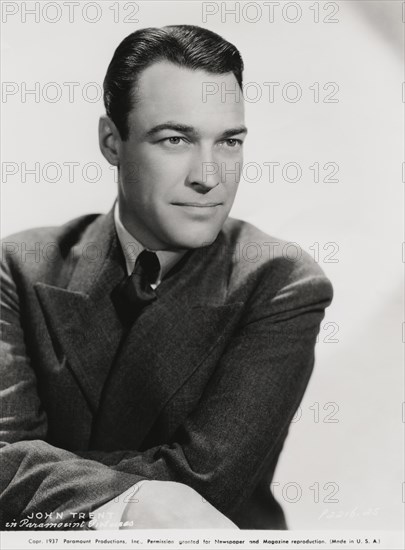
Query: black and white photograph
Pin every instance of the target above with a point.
(202, 291)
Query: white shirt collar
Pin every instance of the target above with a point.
(132, 247)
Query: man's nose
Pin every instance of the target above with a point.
(205, 171)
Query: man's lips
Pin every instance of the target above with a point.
(198, 204)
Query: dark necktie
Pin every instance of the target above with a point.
(135, 292)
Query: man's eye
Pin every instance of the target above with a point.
(174, 140)
(233, 142)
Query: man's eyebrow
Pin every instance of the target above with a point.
(234, 131)
(185, 129)
(175, 126)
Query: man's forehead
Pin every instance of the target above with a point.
(166, 91)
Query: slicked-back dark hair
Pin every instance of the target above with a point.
(184, 45)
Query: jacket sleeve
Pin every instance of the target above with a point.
(34, 475)
(224, 447)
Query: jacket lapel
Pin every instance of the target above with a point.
(82, 316)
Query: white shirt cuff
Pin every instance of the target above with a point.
(109, 515)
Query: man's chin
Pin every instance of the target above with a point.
(196, 239)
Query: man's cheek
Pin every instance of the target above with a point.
(231, 171)
(132, 172)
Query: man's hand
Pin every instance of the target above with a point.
(172, 505)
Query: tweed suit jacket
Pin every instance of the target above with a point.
(201, 390)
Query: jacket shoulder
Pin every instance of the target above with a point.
(261, 256)
(69, 231)
(42, 248)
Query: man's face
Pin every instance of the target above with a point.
(180, 166)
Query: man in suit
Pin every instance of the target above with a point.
(154, 356)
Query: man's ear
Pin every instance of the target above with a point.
(109, 140)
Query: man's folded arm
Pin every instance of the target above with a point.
(223, 447)
(37, 478)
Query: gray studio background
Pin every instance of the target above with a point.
(342, 466)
